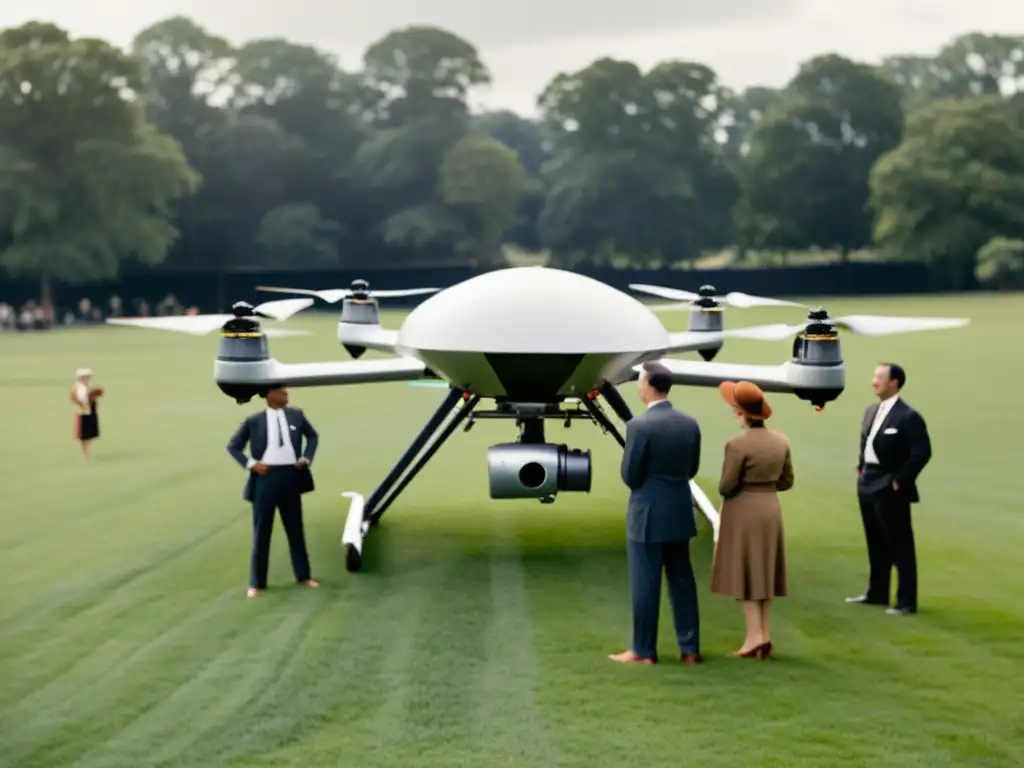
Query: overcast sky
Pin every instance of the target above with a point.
(525, 43)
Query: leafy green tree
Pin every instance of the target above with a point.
(638, 170)
(85, 183)
(481, 181)
(805, 177)
(418, 72)
(955, 182)
(1001, 264)
(296, 236)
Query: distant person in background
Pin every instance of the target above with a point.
(750, 554)
(661, 456)
(894, 448)
(278, 475)
(85, 399)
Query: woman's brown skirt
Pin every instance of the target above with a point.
(750, 556)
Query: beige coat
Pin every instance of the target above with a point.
(750, 556)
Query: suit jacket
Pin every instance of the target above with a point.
(903, 448)
(661, 456)
(757, 456)
(254, 432)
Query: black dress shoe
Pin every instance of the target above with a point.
(901, 611)
(865, 600)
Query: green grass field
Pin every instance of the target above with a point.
(477, 633)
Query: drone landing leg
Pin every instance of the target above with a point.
(603, 421)
(618, 404)
(435, 445)
(359, 516)
(432, 425)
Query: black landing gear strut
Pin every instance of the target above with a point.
(454, 409)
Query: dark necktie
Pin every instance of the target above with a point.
(282, 427)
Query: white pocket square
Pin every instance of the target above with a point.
(292, 427)
(889, 431)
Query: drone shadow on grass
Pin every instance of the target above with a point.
(398, 544)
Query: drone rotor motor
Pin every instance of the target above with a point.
(706, 317)
(242, 341)
(818, 346)
(359, 308)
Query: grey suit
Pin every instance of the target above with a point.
(662, 455)
(280, 489)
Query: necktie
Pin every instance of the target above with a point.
(282, 427)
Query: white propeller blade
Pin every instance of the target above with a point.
(746, 301)
(196, 325)
(282, 309)
(200, 325)
(877, 325)
(733, 298)
(334, 295)
(666, 293)
(865, 325)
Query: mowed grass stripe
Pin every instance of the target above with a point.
(508, 720)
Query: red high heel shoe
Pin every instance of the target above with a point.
(764, 651)
(753, 653)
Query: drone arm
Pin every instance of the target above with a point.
(693, 341)
(263, 373)
(787, 378)
(770, 378)
(368, 337)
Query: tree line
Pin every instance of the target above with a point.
(190, 152)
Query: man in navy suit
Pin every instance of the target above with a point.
(276, 481)
(662, 455)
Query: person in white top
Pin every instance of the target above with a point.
(84, 398)
(278, 474)
(894, 448)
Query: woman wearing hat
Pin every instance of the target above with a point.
(84, 398)
(750, 555)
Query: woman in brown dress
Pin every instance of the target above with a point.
(750, 555)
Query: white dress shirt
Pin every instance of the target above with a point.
(277, 454)
(870, 457)
(656, 402)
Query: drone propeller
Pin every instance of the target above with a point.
(360, 289)
(200, 325)
(865, 325)
(707, 299)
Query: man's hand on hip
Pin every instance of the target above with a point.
(303, 462)
(260, 468)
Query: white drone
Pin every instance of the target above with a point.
(532, 339)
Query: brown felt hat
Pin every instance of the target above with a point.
(745, 397)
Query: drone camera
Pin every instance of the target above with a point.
(536, 470)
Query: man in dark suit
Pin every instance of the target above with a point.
(276, 481)
(894, 448)
(662, 454)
